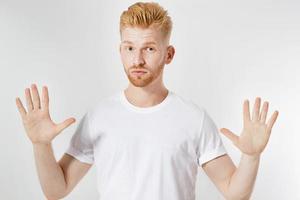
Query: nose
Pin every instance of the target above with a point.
(138, 59)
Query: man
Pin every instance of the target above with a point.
(146, 141)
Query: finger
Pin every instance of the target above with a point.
(35, 97)
(45, 98)
(21, 108)
(256, 108)
(271, 121)
(230, 135)
(246, 112)
(29, 103)
(65, 124)
(264, 112)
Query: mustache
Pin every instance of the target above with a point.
(139, 67)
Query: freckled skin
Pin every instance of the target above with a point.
(144, 79)
(139, 58)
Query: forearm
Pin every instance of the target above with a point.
(243, 179)
(50, 173)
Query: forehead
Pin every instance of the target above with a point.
(137, 35)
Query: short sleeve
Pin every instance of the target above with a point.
(210, 144)
(81, 145)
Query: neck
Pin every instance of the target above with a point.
(147, 96)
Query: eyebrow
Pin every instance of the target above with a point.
(128, 42)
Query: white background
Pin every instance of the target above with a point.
(226, 51)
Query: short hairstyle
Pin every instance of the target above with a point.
(147, 15)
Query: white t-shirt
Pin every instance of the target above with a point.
(146, 153)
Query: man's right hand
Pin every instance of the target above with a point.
(36, 120)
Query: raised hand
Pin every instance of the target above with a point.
(36, 120)
(256, 131)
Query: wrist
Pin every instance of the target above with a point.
(40, 144)
(252, 157)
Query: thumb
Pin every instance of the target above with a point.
(65, 124)
(230, 135)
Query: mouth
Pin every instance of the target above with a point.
(139, 72)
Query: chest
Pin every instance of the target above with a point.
(149, 134)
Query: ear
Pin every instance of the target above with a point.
(170, 54)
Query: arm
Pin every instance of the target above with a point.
(51, 175)
(233, 183)
(243, 179)
(237, 183)
(56, 178)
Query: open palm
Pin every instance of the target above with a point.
(256, 132)
(36, 120)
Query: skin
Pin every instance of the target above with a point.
(148, 50)
(238, 182)
(57, 178)
(144, 49)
